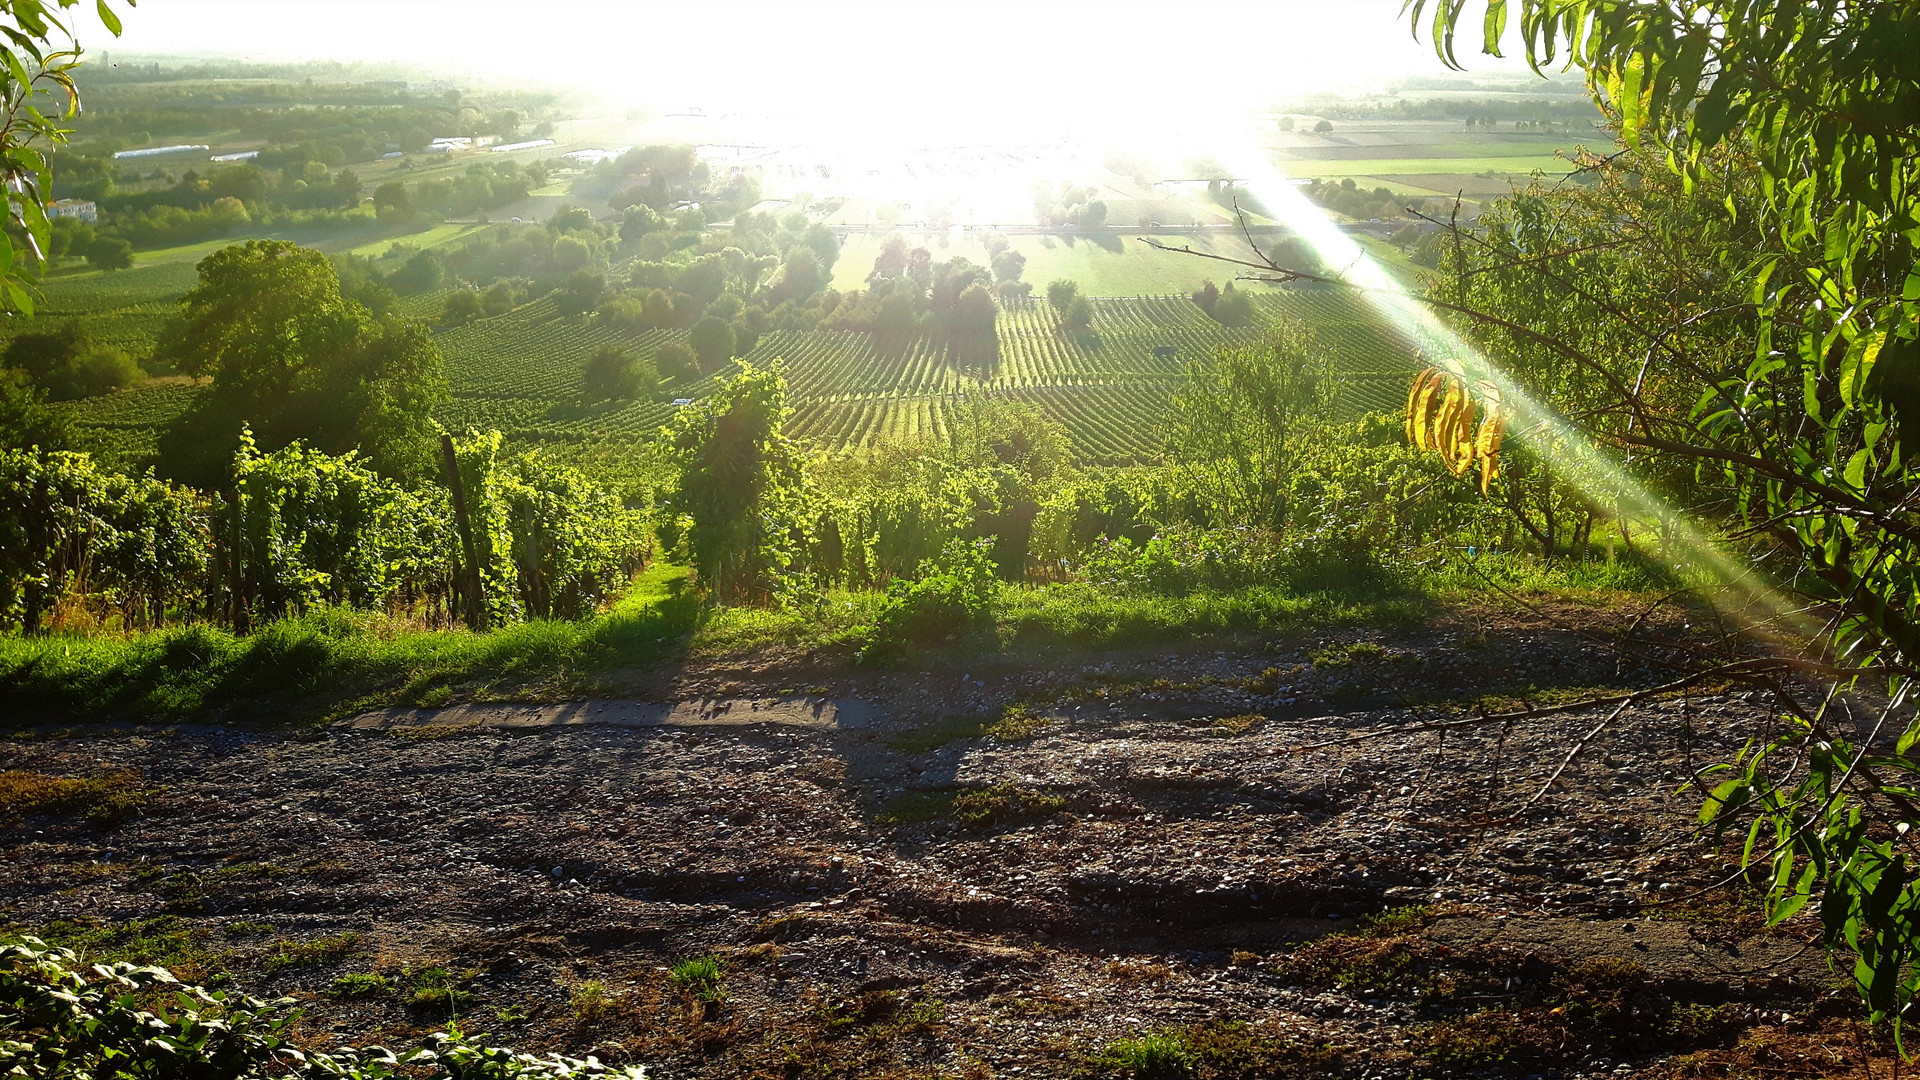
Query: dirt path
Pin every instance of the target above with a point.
(892, 892)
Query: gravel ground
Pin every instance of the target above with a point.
(1147, 845)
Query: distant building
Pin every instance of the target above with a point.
(156, 151)
(244, 155)
(77, 209)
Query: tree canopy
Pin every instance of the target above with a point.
(292, 357)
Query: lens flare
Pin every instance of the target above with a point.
(1588, 465)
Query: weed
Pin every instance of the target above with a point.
(244, 928)
(782, 927)
(1237, 725)
(1491, 1036)
(925, 1015)
(1016, 723)
(700, 978)
(288, 953)
(1156, 1055)
(1037, 1001)
(512, 1014)
(981, 808)
(590, 1001)
(360, 986)
(863, 1010)
(1137, 971)
(1400, 920)
(436, 988)
(1232, 1048)
(105, 800)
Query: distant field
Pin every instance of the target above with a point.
(1410, 169)
(520, 371)
(1112, 266)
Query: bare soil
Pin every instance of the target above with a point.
(1146, 843)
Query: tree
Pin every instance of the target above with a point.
(1238, 424)
(582, 292)
(712, 340)
(1206, 296)
(25, 420)
(462, 307)
(1079, 314)
(296, 360)
(1008, 265)
(1060, 293)
(1286, 123)
(1799, 119)
(109, 253)
(390, 201)
(1322, 127)
(677, 361)
(1233, 308)
(612, 372)
(740, 482)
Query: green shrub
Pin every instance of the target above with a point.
(954, 592)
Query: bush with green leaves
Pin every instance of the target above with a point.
(319, 530)
(300, 531)
(740, 484)
(68, 527)
(955, 591)
(550, 542)
(63, 1020)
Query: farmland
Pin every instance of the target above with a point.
(520, 372)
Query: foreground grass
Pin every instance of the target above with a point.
(334, 659)
(337, 662)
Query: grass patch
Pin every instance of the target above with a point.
(1083, 615)
(318, 952)
(1155, 1055)
(107, 799)
(699, 978)
(436, 988)
(982, 808)
(1237, 725)
(1215, 1050)
(1017, 723)
(360, 986)
(338, 658)
(590, 1002)
(164, 941)
(1385, 954)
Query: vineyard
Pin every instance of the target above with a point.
(520, 372)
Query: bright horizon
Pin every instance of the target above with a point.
(937, 69)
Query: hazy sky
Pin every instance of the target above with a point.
(893, 58)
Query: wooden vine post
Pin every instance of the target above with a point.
(470, 578)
